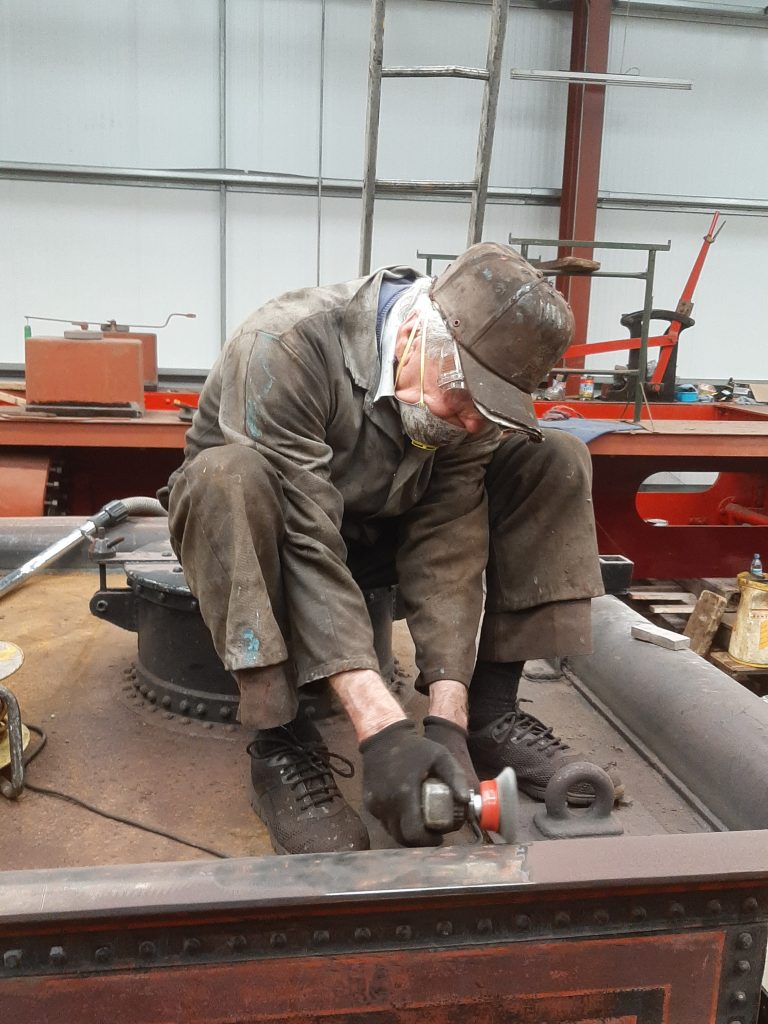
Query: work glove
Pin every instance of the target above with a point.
(454, 739)
(396, 761)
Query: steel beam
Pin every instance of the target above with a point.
(583, 144)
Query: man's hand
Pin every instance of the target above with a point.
(396, 762)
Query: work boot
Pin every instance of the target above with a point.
(295, 795)
(520, 741)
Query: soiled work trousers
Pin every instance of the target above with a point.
(226, 525)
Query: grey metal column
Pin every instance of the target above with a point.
(223, 164)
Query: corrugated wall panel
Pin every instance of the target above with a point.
(711, 141)
(130, 84)
(97, 253)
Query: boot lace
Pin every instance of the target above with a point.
(528, 729)
(307, 766)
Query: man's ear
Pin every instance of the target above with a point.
(403, 334)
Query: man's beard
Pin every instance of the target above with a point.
(424, 427)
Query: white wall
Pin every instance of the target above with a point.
(135, 84)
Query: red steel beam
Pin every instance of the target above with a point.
(583, 144)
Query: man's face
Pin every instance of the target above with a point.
(452, 409)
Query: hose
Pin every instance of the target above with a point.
(111, 514)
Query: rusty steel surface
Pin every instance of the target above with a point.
(60, 370)
(582, 930)
(23, 480)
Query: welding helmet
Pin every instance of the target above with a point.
(511, 327)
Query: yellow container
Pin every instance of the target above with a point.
(749, 639)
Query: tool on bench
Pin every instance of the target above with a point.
(493, 808)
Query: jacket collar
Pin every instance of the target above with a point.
(358, 331)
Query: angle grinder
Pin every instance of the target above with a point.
(493, 808)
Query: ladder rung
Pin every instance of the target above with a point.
(438, 71)
(390, 185)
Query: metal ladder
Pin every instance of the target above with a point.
(478, 187)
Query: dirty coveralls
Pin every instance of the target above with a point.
(297, 489)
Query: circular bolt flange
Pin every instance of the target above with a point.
(320, 937)
(101, 605)
(739, 998)
(742, 967)
(362, 934)
(639, 913)
(236, 942)
(191, 946)
(444, 928)
(148, 950)
(12, 958)
(522, 921)
(404, 932)
(103, 955)
(277, 940)
(485, 925)
(744, 941)
(714, 906)
(676, 910)
(602, 916)
(57, 955)
(750, 905)
(562, 919)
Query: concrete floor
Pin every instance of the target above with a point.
(190, 781)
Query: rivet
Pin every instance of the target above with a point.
(200, 709)
(444, 928)
(485, 925)
(57, 955)
(562, 919)
(744, 941)
(735, 1020)
(320, 937)
(639, 913)
(750, 905)
(714, 906)
(522, 921)
(676, 910)
(166, 701)
(240, 942)
(362, 934)
(103, 955)
(404, 932)
(277, 939)
(12, 958)
(144, 690)
(148, 950)
(191, 946)
(602, 916)
(739, 998)
(742, 967)
(225, 712)
(193, 605)
(184, 705)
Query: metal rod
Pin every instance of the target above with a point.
(437, 71)
(596, 78)
(47, 557)
(403, 185)
(581, 244)
(306, 185)
(741, 514)
(591, 371)
(642, 356)
(222, 164)
(487, 120)
(375, 58)
(320, 127)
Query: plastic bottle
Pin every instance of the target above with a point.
(756, 568)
